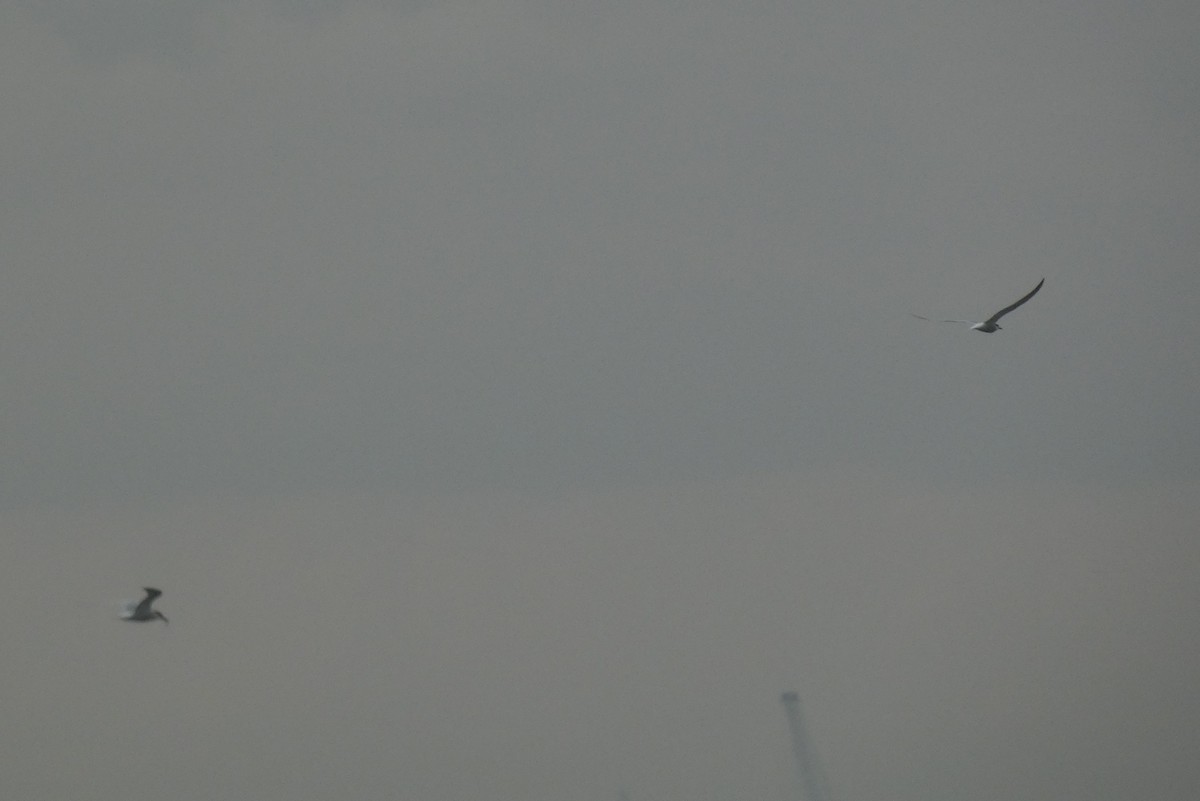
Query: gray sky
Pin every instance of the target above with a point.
(513, 398)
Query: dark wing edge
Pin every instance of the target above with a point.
(1007, 309)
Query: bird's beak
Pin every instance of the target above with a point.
(163, 618)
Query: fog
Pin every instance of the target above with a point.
(513, 398)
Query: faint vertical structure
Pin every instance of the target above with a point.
(808, 766)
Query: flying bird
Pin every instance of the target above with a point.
(989, 325)
(140, 611)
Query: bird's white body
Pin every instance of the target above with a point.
(990, 325)
(140, 611)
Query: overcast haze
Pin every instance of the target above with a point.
(513, 398)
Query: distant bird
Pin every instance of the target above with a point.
(140, 611)
(989, 325)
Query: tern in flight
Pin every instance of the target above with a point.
(140, 611)
(989, 325)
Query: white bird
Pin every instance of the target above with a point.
(140, 611)
(989, 325)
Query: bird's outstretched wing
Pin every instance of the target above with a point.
(995, 317)
(930, 319)
(143, 608)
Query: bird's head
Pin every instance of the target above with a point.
(161, 617)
